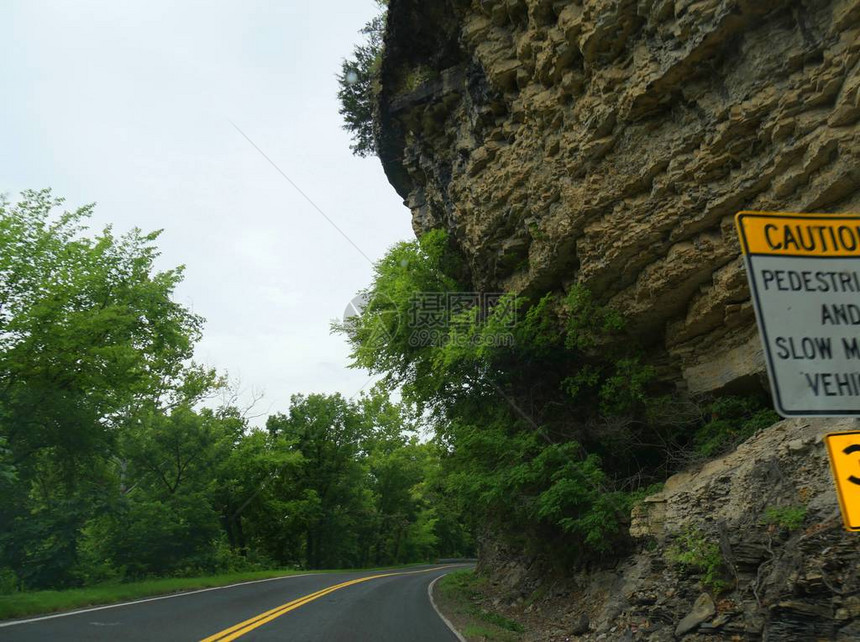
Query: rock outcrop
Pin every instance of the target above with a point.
(765, 514)
(610, 142)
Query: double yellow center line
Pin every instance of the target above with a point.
(249, 625)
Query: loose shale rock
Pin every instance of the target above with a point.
(777, 582)
(703, 609)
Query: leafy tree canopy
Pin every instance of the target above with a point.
(109, 467)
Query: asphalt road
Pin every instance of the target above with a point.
(378, 606)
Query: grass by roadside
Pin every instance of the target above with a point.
(458, 596)
(16, 605)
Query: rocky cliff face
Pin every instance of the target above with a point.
(610, 142)
(767, 513)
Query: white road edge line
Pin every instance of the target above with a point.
(148, 599)
(439, 613)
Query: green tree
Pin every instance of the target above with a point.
(88, 329)
(381, 336)
(260, 500)
(328, 432)
(357, 493)
(110, 470)
(89, 333)
(512, 417)
(358, 82)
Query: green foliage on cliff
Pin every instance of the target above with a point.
(382, 337)
(551, 425)
(510, 386)
(788, 517)
(697, 552)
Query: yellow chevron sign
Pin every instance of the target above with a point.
(844, 451)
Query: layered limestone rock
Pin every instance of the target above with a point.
(610, 143)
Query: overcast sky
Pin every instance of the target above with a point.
(129, 104)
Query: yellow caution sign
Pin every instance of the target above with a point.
(781, 234)
(804, 276)
(844, 451)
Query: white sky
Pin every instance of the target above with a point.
(129, 104)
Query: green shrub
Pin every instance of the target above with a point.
(695, 551)
(788, 517)
(8, 581)
(460, 583)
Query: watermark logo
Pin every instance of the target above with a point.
(379, 311)
(442, 318)
(438, 318)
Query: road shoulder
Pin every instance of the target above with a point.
(456, 597)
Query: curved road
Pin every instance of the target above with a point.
(383, 606)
